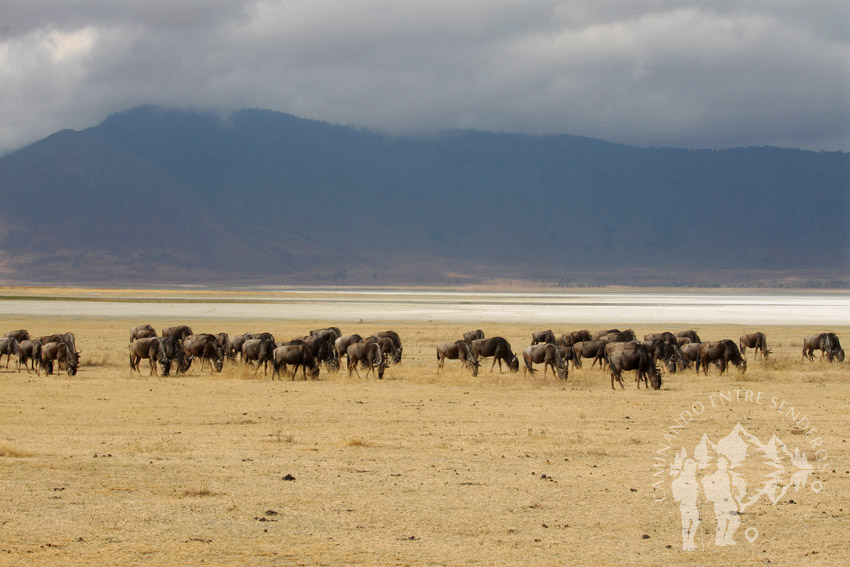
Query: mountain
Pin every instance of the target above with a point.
(158, 196)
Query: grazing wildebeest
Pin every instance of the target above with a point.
(470, 336)
(174, 351)
(544, 337)
(589, 349)
(205, 348)
(152, 349)
(568, 354)
(691, 334)
(634, 357)
(724, 352)
(757, 342)
(341, 344)
(30, 350)
(322, 348)
(683, 341)
(180, 331)
(665, 352)
(142, 332)
(223, 340)
(457, 350)
(299, 356)
(396, 341)
(547, 354)
(690, 354)
(236, 342)
(329, 333)
(602, 332)
(619, 337)
(10, 346)
(497, 347)
(19, 335)
(259, 350)
(666, 336)
(827, 343)
(368, 353)
(64, 356)
(68, 339)
(387, 346)
(574, 337)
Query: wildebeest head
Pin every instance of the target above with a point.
(166, 366)
(513, 364)
(654, 376)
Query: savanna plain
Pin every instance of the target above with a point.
(421, 468)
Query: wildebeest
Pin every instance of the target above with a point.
(174, 351)
(205, 348)
(497, 347)
(329, 333)
(634, 357)
(142, 332)
(19, 335)
(322, 348)
(691, 334)
(180, 331)
(234, 344)
(757, 342)
(30, 350)
(619, 337)
(396, 341)
(589, 349)
(64, 356)
(470, 336)
(723, 352)
(665, 336)
(341, 344)
(683, 341)
(690, 354)
(368, 353)
(827, 343)
(67, 338)
(387, 346)
(152, 349)
(665, 352)
(298, 356)
(457, 350)
(573, 337)
(10, 346)
(544, 337)
(546, 354)
(259, 350)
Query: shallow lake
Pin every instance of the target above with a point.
(779, 308)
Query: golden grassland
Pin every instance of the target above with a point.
(108, 467)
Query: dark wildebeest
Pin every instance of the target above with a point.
(223, 341)
(723, 352)
(174, 351)
(369, 354)
(64, 356)
(574, 337)
(619, 337)
(689, 334)
(68, 339)
(30, 350)
(547, 354)
(396, 341)
(205, 348)
(568, 354)
(665, 352)
(387, 346)
(297, 356)
(470, 336)
(497, 347)
(330, 333)
(690, 354)
(341, 344)
(634, 356)
(589, 349)
(19, 335)
(827, 343)
(322, 348)
(755, 341)
(142, 332)
(10, 346)
(666, 336)
(544, 337)
(180, 331)
(152, 349)
(236, 342)
(457, 350)
(602, 332)
(259, 350)
(683, 341)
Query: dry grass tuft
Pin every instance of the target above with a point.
(357, 442)
(12, 452)
(199, 492)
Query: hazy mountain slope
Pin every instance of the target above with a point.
(262, 194)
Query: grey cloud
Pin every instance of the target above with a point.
(693, 74)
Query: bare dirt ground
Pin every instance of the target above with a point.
(418, 469)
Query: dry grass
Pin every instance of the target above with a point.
(416, 469)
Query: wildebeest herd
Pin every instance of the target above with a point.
(321, 347)
(179, 347)
(621, 351)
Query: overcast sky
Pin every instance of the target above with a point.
(684, 73)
